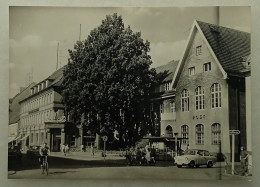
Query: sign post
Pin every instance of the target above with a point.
(233, 133)
(104, 153)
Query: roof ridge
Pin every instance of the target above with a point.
(22, 91)
(222, 27)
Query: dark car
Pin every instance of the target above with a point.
(33, 152)
(14, 153)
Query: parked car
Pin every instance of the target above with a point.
(195, 157)
(33, 152)
(14, 153)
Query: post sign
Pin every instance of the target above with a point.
(104, 138)
(235, 132)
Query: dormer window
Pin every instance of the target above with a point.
(167, 86)
(198, 50)
(191, 71)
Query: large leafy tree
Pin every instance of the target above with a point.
(108, 81)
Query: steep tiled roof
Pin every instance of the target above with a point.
(14, 107)
(170, 67)
(55, 80)
(57, 77)
(230, 46)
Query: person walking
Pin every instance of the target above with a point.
(243, 160)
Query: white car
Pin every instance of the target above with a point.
(195, 157)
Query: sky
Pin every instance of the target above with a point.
(35, 31)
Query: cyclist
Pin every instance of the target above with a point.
(44, 151)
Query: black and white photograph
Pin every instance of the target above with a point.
(154, 93)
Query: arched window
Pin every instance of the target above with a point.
(185, 134)
(185, 100)
(169, 131)
(216, 133)
(199, 98)
(215, 91)
(199, 134)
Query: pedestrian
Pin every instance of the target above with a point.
(243, 160)
(92, 150)
(66, 149)
(82, 148)
(62, 149)
(148, 155)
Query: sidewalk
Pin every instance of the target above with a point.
(237, 171)
(86, 156)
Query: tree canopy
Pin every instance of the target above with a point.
(108, 81)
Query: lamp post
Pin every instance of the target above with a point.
(176, 146)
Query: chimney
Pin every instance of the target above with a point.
(217, 16)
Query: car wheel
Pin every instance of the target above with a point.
(210, 164)
(179, 166)
(192, 164)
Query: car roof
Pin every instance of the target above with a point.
(198, 149)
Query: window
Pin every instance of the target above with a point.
(191, 71)
(172, 106)
(216, 134)
(185, 100)
(215, 95)
(207, 67)
(42, 137)
(198, 50)
(185, 134)
(199, 134)
(167, 86)
(199, 98)
(36, 137)
(31, 138)
(161, 108)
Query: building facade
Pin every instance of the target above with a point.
(42, 117)
(210, 88)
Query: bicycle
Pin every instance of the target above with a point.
(45, 166)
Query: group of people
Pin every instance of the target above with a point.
(142, 155)
(64, 149)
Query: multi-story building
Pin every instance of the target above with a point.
(210, 88)
(163, 103)
(14, 115)
(42, 117)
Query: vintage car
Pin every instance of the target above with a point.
(33, 152)
(195, 157)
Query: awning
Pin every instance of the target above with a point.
(23, 138)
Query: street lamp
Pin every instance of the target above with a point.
(176, 147)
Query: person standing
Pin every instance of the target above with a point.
(92, 150)
(243, 160)
(66, 149)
